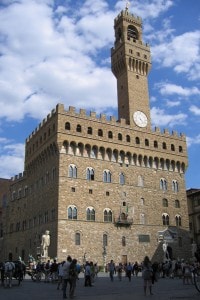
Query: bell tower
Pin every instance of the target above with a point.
(131, 63)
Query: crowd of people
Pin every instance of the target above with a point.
(66, 273)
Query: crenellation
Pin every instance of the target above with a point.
(82, 112)
(93, 114)
(72, 109)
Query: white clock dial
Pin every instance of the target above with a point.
(140, 119)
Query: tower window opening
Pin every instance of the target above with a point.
(132, 33)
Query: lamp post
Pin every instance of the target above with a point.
(104, 257)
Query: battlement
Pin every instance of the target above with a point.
(19, 176)
(130, 17)
(82, 114)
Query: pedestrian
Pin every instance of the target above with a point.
(119, 271)
(60, 274)
(147, 274)
(73, 276)
(129, 271)
(112, 270)
(66, 266)
(88, 274)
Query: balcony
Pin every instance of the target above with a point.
(123, 220)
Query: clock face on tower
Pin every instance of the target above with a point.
(140, 119)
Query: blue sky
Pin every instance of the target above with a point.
(58, 51)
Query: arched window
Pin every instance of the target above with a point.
(163, 184)
(106, 176)
(67, 126)
(78, 128)
(146, 142)
(180, 149)
(128, 139)
(107, 215)
(89, 131)
(165, 202)
(121, 178)
(77, 238)
(110, 134)
(123, 241)
(174, 186)
(90, 212)
(155, 143)
(100, 132)
(105, 240)
(164, 145)
(90, 174)
(177, 203)
(119, 136)
(132, 33)
(137, 140)
(172, 147)
(165, 219)
(178, 220)
(72, 171)
(72, 212)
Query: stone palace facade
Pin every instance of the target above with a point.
(104, 188)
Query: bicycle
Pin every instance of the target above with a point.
(196, 276)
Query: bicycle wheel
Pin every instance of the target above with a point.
(197, 279)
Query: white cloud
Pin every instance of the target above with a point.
(193, 140)
(180, 53)
(11, 158)
(161, 118)
(173, 89)
(195, 110)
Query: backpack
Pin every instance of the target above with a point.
(72, 273)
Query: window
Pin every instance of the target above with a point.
(90, 174)
(78, 128)
(100, 132)
(110, 134)
(180, 149)
(107, 215)
(107, 193)
(72, 213)
(128, 139)
(142, 201)
(105, 240)
(163, 184)
(72, 171)
(165, 202)
(164, 145)
(165, 219)
(144, 238)
(155, 143)
(77, 238)
(89, 131)
(67, 126)
(146, 142)
(132, 33)
(174, 186)
(172, 147)
(137, 140)
(178, 220)
(121, 178)
(123, 241)
(106, 176)
(177, 203)
(90, 212)
(119, 136)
